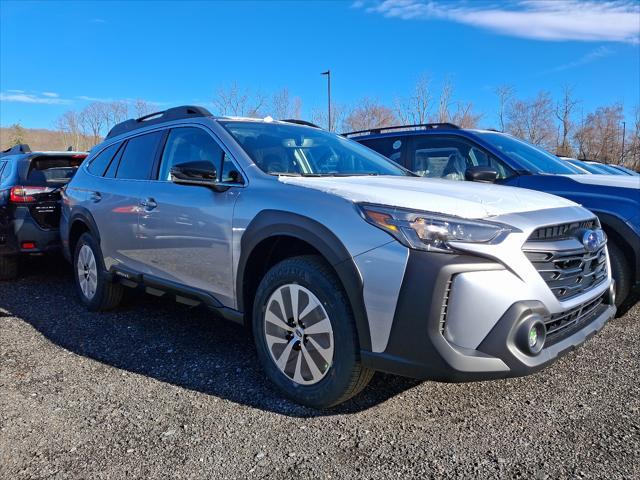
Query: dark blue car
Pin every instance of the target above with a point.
(446, 151)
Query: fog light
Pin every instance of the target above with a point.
(531, 335)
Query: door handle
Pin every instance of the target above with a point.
(148, 204)
(95, 197)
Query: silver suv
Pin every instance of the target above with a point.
(340, 262)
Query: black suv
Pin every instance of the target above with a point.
(30, 185)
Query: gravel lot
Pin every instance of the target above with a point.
(158, 390)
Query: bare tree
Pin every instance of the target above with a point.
(369, 114)
(564, 113)
(464, 115)
(142, 108)
(600, 135)
(92, 121)
(319, 117)
(70, 128)
(283, 107)
(505, 94)
(114, 113)
(532, 120)
(233, 101)
(414, 110)
(444, 104)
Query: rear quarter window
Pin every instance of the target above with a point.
(138, 157)
(101, 161)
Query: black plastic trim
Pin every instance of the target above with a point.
(272, 223)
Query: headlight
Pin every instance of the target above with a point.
(431, 231)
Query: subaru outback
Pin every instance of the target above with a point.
(339, 261)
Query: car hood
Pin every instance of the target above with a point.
(461, 199)
(621, 181)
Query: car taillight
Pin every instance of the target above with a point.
(22, 194)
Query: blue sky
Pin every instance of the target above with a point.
(56, 56)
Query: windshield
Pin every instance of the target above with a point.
(280, 149)
(530, 157)
(608, 169)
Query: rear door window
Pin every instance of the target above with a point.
(101, 161)
(390, 147)
(138, 157)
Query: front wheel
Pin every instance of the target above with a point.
(305, 334)
(621, 273)
(94, 290)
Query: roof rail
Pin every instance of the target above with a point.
(418, 126)
(301, 122)
(16, 150)
(175, 113)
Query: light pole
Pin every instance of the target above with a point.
(328, 74)
(624, 131)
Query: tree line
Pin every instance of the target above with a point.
(557, 123)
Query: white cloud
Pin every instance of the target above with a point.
(592, 56)
(12, 96)
(611, 20)
(50, 94)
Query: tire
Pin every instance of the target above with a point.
(8, 267)
(331, 347)
(621, 273)
(94, 290)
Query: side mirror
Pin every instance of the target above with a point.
(481, 174)
(201, 173)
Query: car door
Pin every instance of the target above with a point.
(113, 194)
(449, 156)
(186, 230)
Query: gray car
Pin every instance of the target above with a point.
(339, 261)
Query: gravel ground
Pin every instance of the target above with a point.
(158, 390)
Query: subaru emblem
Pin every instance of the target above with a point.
(593, 239)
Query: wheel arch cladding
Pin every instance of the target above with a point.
(81, 222)
(265, 235)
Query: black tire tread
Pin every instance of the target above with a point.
(622, 274)
(360, 375)
(108, 295)
(8, 267)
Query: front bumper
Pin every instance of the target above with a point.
(420, 346)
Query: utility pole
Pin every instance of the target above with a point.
(624, 131)
(328, 74)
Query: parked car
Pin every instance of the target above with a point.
(340, 261)
(30, 185)
(594, 167)
(447, 151)
(625, 169)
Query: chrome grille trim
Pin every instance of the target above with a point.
(564, 323)
(561, 231)
(445, 304)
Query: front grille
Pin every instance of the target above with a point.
(561, 231)
(561, 325)
(570, 272)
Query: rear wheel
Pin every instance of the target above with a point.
(8, 267)
(94, 290)
(621, 273)
(305, 334)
